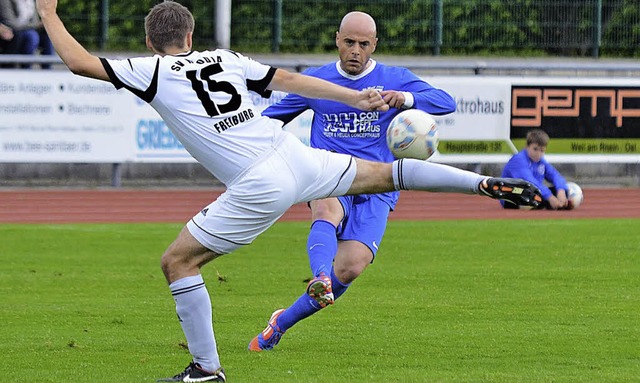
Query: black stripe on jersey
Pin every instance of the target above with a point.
(112, 75)
(342, 175)
(260, 86)
(232, 52)
(188, 289)
(146, 95)
(185, 54)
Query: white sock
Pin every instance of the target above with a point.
(411, 174)
(193, 306)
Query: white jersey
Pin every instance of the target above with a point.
(204, 99)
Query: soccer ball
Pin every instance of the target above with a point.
(574, 195)
(413, 134)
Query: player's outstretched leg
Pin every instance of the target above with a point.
(411, 174)
(513, 190)
(270, 336)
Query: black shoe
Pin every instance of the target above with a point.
(195, 373)
(514, 190)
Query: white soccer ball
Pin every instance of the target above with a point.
(413, 134)
(574, 195)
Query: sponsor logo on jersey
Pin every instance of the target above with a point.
(352, 124)
(379, 88)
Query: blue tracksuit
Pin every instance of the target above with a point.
(521, 166)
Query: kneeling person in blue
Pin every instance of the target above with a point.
(530, 164)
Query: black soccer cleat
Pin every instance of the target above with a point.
(514, 190)
(195, 373)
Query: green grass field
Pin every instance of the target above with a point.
(469, 301)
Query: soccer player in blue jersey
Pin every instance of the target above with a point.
(347, 231)
(530, 164)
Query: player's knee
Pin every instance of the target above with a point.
(175, 262)
(372, 177)
(327, 210)
(184, 257)
(168, 264)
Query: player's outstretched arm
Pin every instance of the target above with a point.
(313, 87)
(75, 57)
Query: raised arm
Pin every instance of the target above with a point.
(75, 57)
(313, 87)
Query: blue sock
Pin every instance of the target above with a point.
(306, 306)
(322, 245)
(338, 287)
(303, 307)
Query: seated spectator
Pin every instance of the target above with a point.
(530, 164)
(28, 33)
(6, 35)
(8, 42)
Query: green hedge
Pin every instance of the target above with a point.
(494, 27)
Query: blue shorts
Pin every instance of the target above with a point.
(365, 220)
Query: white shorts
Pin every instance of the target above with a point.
(290, 173)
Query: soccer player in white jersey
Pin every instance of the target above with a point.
(347, 231)
(204, 99)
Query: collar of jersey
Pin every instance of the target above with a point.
(183, 54)
(359, 76)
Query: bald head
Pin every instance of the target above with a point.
(356, 41)
(358, 21)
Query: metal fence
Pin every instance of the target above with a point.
(609, 28)
(529, 27)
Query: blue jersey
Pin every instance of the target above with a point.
(340, 128)
(521, 166)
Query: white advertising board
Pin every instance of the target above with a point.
(55, 116)
(152, 141)
(482, 108)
